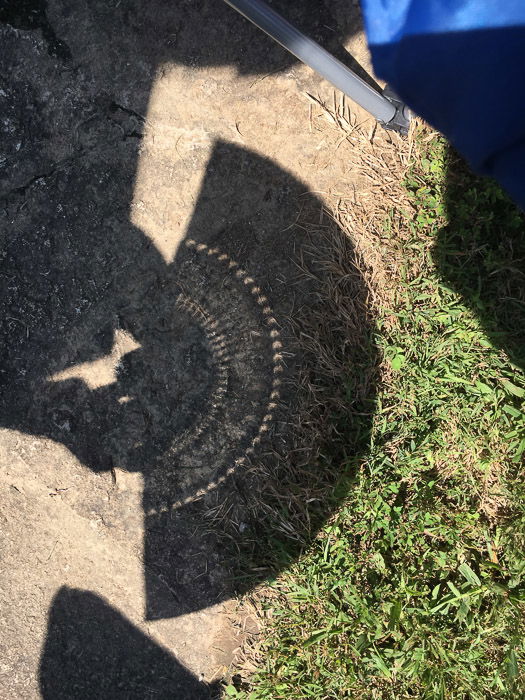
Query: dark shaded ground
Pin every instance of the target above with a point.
(92, 651)
(481, 255)
(74, 271)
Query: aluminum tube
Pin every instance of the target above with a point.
(316, 57)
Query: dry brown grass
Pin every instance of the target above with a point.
(379, 160)
(354, 265)
(351, 271)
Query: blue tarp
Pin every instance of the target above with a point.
(460, 64)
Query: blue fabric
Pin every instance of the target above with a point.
(460, 64)
(389, 20)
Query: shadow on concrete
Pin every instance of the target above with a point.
(198, 33)
(189, 392)
(91, 651)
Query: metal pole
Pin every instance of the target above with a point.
(316, 57)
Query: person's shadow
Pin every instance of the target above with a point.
(178, 371)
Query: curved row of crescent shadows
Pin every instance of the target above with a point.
(219, 348)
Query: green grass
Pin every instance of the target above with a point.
(416, 587)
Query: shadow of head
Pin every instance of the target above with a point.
(92, 651)
(481, 252)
